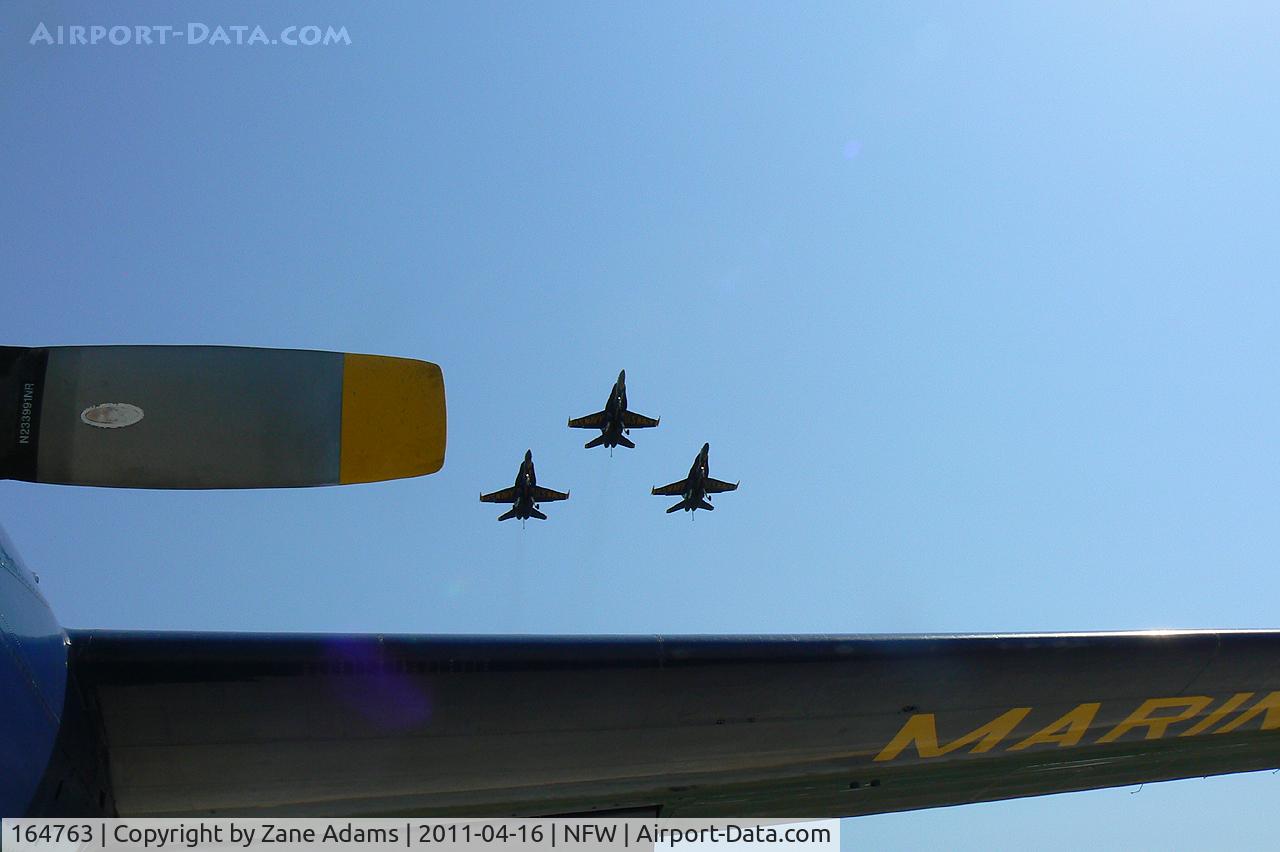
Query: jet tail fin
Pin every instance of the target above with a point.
(507, 515)
(677, 507)
(534, 513)
(626, 442)
(703, 504)
(594, 442)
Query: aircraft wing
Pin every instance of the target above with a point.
(716, 486)
(675, 489)
(546, 495)
(591, 421)
(506, 495)
(803, 726)
(631, 420)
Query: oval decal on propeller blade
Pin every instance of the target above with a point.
(111, 415)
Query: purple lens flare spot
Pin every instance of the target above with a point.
(378, 686)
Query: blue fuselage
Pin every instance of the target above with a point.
(614, 408)
(48, 761)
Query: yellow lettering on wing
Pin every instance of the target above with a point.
(1073, 726)
(1157, 725)
(921, 729)
(1270, 704)
(1209, 721)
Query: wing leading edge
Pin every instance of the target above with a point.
(743, 726)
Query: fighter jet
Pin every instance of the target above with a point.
(696, 488)
(614, 420)
(526, 494)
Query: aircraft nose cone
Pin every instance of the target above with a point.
(622, 376)
(706, 448)
(528, 455)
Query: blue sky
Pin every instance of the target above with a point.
(979, 302)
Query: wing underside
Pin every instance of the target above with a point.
(675, 489)
(546, 495)
(752, 726)
(506, 495)
(631, 420)
(591, 421)
(716, 486)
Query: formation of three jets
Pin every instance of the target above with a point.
(614, 423)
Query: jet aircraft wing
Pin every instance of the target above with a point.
(591, 421)
(506, 495)
(631, 420)
(546, 495)
(716, 486)
(675, 489)
(803, 726)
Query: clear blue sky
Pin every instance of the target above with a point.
(980, 304)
